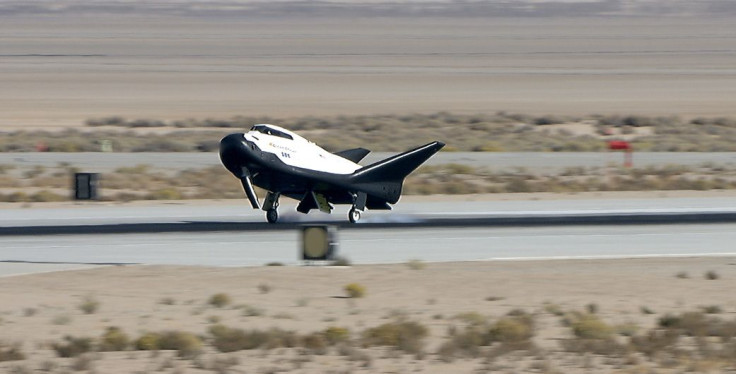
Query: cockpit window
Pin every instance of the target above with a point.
(269, 131)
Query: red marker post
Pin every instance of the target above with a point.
(621, 145)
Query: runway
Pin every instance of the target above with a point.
(379, 246)
(234, 216)
(382, 238)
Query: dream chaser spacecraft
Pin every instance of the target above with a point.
(285, 164)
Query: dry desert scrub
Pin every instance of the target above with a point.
(688, 341)
(354, 290)
(144, 182)
(219, 300)
(500, 132)
(11, 352)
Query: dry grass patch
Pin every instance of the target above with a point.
(73, 346)
(219, 300)
(355, 290)
(114, 339)
(407, 336)
(11, 352)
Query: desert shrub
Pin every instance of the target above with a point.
(114, 339)
(712, 275)
(512, 329)
(187, 345)
(589, 326)
(712, 309)
(15, 197)
(466, 343)
(219, 300)
(592, 308)
(251, 311)
(355, 290)
(654, 341)
(691, 322)
(227, 339)
(316, 343)
(608, 347)
(149, 341)
(72, 347)
(553, 309)
(46, 196)
(29, 312)
(471, 318)
(549, 120)
(335, 335)
(89, 305)
(264, 288)
(167, 301)
(11, 353)
(697, 324)
(83, 362)
(407, 336)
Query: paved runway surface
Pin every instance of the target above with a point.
(234, 215)
(380, 246)
(392, 243)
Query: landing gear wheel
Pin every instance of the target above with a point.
(354, 215)
(272, 215)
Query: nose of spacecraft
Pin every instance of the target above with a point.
(234, 152)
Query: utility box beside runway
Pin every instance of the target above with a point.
(318, 242)
(85, 186)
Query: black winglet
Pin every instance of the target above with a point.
(354, 155)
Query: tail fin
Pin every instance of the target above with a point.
(384, 178)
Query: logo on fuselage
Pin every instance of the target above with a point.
(281, 147)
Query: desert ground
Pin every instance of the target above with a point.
(61, 69)
(630, 295)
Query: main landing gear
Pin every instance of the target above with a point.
(272, 215)
(359, 200)
(271, 206)
(354, 215)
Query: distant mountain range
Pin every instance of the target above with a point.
(374, 8)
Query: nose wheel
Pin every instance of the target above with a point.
(272, 215)
(354, 215)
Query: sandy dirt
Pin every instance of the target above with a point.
(40, 309)
(61, 70)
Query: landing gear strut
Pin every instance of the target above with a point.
(354, 215)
